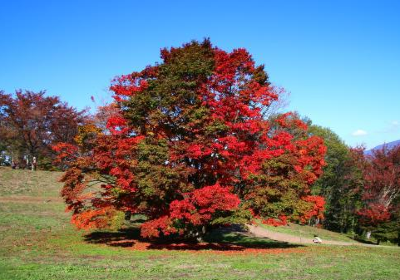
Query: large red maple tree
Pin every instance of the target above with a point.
(190, 147)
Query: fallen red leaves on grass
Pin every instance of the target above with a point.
(215, 248)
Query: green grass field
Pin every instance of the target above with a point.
(38, 242)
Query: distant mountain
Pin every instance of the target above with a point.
(389, 145)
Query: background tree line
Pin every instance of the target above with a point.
(362, 192)
(31, 123)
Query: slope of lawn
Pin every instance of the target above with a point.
(18, 182)
(305, 231)
(37, 242)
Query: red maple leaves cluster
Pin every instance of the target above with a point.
(197, 209)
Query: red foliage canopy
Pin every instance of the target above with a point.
(190, 147)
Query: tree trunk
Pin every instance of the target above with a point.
(201, 234)
(128, 215)
(398, 238)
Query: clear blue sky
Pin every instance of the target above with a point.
(340, 60)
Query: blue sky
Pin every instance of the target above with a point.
(340, 60)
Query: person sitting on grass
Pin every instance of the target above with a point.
(317, 239)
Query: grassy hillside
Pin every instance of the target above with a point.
(27, 183)
(309, 232)
(37, 242)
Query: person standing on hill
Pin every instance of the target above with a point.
(33, 163)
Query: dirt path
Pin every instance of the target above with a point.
(262, 232)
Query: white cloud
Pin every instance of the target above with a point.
(359, 132)
(395, 123)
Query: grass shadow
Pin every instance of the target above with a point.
(362, 240)
(121, 238)
(239, 236)
(232, 238)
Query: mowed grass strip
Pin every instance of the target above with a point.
(38, 242)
